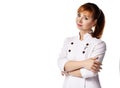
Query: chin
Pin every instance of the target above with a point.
(79, 28)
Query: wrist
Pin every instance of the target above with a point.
(83, 63)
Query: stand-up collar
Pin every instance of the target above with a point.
(86, 36)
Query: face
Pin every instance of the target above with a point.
(85, 21)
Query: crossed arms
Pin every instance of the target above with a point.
(85, 68)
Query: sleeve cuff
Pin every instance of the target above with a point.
(86, 73)
(82, 71)
(63, 65)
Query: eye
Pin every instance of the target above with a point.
(86, 18)
(78, 15)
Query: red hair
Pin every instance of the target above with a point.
(97, 14)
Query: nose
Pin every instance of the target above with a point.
(80, 20)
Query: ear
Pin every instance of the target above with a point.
(94, 22)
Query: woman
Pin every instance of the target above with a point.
(81, 56)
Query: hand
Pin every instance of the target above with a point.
(92, 64)
(64, 73)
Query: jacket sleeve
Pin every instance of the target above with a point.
(62, 59)
(98, 51)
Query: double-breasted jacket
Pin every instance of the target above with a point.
(76, 49)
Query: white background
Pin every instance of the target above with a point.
(32, 34)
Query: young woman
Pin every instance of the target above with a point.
(81, 56)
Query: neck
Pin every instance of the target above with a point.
(82, 33)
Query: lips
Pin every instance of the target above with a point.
(79, 25)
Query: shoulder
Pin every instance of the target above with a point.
(98, 42)
(69, 39)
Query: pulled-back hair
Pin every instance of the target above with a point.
(97, 14)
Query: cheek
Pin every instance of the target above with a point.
(76, 20)
(90, 24)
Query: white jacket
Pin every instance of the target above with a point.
(75, 49)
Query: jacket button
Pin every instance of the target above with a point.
(72, 43)
(83, 52)
(69, 50)
(87, 44)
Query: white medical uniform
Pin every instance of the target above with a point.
(76, 49)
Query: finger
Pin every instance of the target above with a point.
(62, 74)
(98, 63)
(97, 66)
(100, 67)
(95, 70)
(94, 58)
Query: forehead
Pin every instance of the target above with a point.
(86, 13)
(86, 9)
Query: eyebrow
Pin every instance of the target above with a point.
(86, 13)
